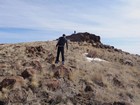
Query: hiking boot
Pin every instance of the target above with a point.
(56, 62)
(62, 62)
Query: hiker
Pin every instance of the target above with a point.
(60, 48)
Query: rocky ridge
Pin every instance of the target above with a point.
(93, 39)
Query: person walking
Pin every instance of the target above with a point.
(60, 48)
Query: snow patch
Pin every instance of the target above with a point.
(100, 60)
(89, 59)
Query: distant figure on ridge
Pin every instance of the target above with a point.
(60, 48)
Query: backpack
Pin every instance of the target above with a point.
(62, 41)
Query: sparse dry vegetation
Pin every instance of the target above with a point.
(78, 81)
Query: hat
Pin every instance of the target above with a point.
(64, 35)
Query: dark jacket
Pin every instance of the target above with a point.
(61, 42)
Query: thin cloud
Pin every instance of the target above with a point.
(109, 19)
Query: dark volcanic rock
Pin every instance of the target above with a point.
(35, 51)
(116, 103)
(27, 73)
(12, 82)
(93, 39)
(121, 103)
(87, 37)
(117, 82)
(127, 62)
(7, 83)
(88, 88)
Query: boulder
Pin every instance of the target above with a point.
(117, 82)
(61, 72)
(52, 84)
(88, 88)
(7, 83)
(28, 73)
(12, 82)
(35, 51)
(128, 62)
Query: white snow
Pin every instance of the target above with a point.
(100, 60)
(89, 59)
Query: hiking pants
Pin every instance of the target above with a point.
(60, 49)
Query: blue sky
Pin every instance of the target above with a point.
(116, 21)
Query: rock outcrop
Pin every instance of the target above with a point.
(93, 39)
(87, 37)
